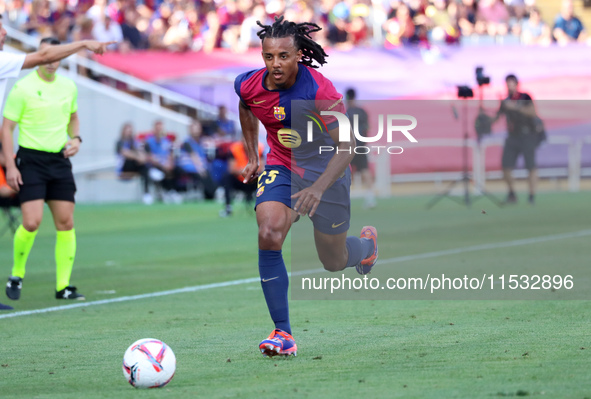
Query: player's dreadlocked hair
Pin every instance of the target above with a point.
(311, 50)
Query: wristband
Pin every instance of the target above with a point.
(77, 137)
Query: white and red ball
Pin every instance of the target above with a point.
(149, 363)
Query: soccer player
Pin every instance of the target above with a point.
(289, 54)
(44, 106)
(11, 65)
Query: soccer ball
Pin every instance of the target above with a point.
(149, 363)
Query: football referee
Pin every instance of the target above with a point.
(12, 63)
(44, 106)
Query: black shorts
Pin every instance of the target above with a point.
(130, 165)
(46, 175)
(522, 144)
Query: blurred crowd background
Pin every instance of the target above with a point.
(206, 160)
(203, 25)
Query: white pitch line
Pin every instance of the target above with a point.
(506, 244)
(427, 255)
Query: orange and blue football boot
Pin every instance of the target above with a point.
(369, 232)
(279, 343)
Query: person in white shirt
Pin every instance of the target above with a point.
(106, 30)
(11, 64)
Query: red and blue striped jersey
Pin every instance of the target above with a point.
(286, 126)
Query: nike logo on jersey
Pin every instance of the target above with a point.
(258, 102)
(334, 226)
(269, 279)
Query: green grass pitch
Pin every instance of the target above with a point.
(347, 348)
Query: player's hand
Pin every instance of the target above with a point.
(72, 148)
(250, 172)
(98, 47)
(14, 178)
(307, 200)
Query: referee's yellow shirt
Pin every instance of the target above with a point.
(42, 110)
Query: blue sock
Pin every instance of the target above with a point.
(358, 249)
(275, 283)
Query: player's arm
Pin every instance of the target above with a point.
(13, 176)
(73, 144)
(58, 52)
(250, 129)
(195, 158)
(150, 158)
(199, 164)
(309, 198)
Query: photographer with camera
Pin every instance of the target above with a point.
(524, 136)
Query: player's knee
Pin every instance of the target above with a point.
(332, 264)
(270, 238)
(31, 224)
(64, 225)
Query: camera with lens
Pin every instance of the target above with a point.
(480, 78)
(465, 92)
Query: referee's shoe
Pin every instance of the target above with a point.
(69, 293)
(13, 287)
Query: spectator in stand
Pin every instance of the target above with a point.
(250, 28)
(131, 34)
(156, 34)
(417, 8)
(193, 160)
(567, 27)
(132, 160)
(160, 160)
(440, 22)
(338, 28)
(225, 128)
(534, 30)
(400, 30)
(195, 28)
(224, 134)
(83, 32)
(230, 20)
(467, 17)
(180, 25)
(82, 6)
(38, 22)
(233, 179)
(178, 36)
(276, 8)
(62, 11)
(358, 31)
(492, 18)
(211, 32)
(116, 10)
(16, 16)
(517, 10)
(393, 7)
(62, 20)
(97, 11)
(106, 30)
